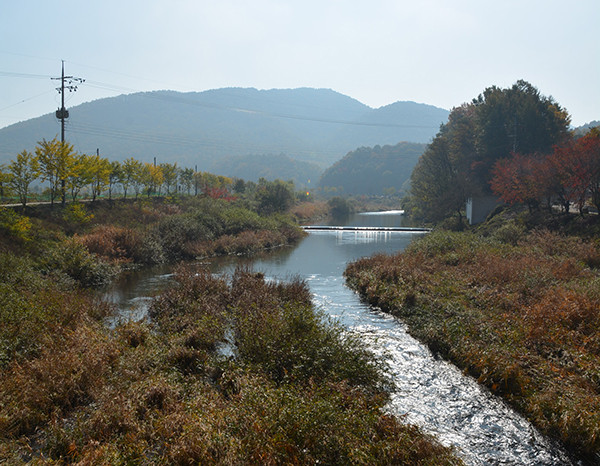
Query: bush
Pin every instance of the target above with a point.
(73, 259)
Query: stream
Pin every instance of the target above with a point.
(431, 393)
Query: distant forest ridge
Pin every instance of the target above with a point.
(373, 170)
(219, 129)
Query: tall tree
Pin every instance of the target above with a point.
(516, 119)
(152, 177)
(131, 175)
(186, 176)
(56, 160)
(458, 163)
(170, 174)
(442, 180)
(114, 176)
(589, 145)
(100, 169)
(24, 170)
(79, 175)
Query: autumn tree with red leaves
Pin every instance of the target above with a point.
(569, 175)
(519, 179)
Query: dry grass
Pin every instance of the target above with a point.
(298, 390)
(524, 319)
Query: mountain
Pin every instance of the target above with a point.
(198, 129)
(270, 167)
(372, 170)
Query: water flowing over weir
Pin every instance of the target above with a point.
(430, 393)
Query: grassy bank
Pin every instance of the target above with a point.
(90, 243)
(232, 370)
(519, 311)
(238, 371)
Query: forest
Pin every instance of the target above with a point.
(514, 144)
(372, 171)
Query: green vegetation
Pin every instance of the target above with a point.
(224, 370)
(90, 243)
(515, 301)
(459, 161)
(518, 310)
(372, 171)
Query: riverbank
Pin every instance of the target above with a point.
(90, 244)
(225, 371)
(519, 311)
(239, 371)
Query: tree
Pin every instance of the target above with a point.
(274, 196)
(5, 178)
(24, 170)
(170, 174)
(517, 180)
(458, 163)
(56, 161)
(79, 176)
(114, 176)
(186, 177)
(516, 119)
(100, 170)
(152, 177)
(576, 165)
(131, 175)
(589, 146)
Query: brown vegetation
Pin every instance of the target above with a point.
(521, 315)
(227, 372)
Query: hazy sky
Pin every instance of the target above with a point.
(439, 52)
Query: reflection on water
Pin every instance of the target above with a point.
(430, 393)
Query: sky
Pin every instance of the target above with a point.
(437, 52)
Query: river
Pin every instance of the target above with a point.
(430, 392)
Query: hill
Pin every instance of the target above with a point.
(201, 128)
(374, 171)
(269, 166)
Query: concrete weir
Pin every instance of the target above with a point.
(352, 228)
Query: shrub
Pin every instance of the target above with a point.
(14, 225)
(279, 330)
(73, 259)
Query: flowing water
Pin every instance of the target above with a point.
(430, 392)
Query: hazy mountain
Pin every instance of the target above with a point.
(372, 170)
(253, 167)
(199, 129)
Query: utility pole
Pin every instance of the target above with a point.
(71, 85)
(62, 113)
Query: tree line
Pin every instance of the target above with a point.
(68, 173)
(474, 154)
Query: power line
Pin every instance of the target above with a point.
(11, 74)
(71, 86)
(24, 100)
